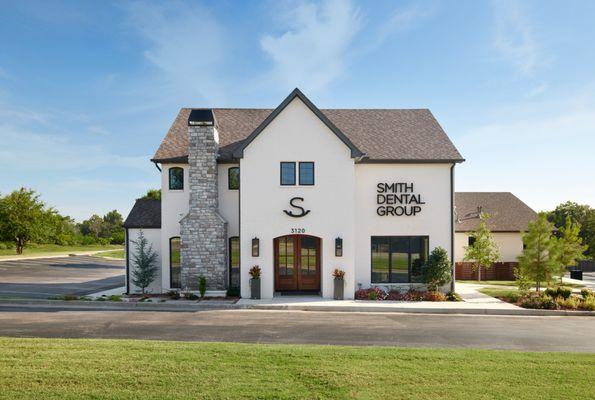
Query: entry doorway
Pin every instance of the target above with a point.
(297, 264)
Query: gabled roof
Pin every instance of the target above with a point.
(239, 150)
(508, 212)
(382, 135)
(146, 213)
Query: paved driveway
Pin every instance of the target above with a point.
(47, 277)
(385, 329)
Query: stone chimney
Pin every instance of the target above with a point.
(203, 231)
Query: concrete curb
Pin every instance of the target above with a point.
(136, 306)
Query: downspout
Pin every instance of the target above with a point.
(157, 166)
(127, 261)
(452, 228)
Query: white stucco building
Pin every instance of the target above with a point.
(299, 192)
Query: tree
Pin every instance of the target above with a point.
(112, 224)
(153, 194)
(23, 218)
(570, 246)
(92, 226)
(483, 251)
(438, 270)
(539, 261)
(145, 262)
(581, 214)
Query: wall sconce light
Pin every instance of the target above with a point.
(255, 247)
(338, 247)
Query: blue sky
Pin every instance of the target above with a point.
(89, 88)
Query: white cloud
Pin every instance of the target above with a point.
(514, 39)
(186, 45)
(537, 90)
(405, 18)
(312, 50)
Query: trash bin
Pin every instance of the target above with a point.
(576, 274)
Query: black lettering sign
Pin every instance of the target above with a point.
(302, 213)
(397, 199)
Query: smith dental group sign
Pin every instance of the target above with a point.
(397, 199)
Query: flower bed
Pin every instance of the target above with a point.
(379, 294)
(560, 298)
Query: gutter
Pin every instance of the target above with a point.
(452, 227)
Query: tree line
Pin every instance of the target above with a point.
(26, 219)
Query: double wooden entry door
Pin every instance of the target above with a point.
(297, 263)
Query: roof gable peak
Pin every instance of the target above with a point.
(239, 151)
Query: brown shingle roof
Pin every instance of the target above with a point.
(146, 213)
(382, 134)
(508, 212)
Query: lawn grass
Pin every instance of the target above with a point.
(112, 254)
(127, 369)
(509, 293)
(52, 249)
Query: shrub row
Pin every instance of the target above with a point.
(547, 302)
(376, 293)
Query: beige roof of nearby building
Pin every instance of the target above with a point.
(508, 212)
(383, 135)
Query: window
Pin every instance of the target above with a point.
(234, 262)
(176, 178)
(233, 178)
(174, 263)
(306, 173)
(287, 173)
(470, 240)
(398, 259)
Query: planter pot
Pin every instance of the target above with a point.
(339, 288)
(255, 289)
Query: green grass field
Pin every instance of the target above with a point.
(113, 254)
(52, 249)
(126, 369)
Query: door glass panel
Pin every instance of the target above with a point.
(380, 259)
(400, 259)
(308, 256)
(286, 257)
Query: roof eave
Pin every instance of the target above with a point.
(412, 161)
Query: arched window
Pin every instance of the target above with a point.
(176, 178)
(233, 178)
(234, 262)
(175, 281)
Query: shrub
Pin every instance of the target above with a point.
(88, 240)
(114, 297)
(588, 304)
(543, 302)
(571, 303)
(437, 271)
(395, 295)
(202, 286)
(117, 238)
(190, 296)
(414, 295)
(587, 293)
(560, 291)
(173, 294)
(453, 296)
(435, 296)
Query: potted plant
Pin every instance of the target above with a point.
(339, 276)
(255, 282)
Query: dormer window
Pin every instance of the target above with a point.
(176, 178)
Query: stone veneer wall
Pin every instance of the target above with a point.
(203, 231)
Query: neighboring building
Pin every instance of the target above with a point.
(510, 217)
(299, 191)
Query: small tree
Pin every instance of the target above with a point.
(570, 246)
(438, 270)
(484, 251)
(145, 262)
(539, 261)
(23, 218)
(202, 285)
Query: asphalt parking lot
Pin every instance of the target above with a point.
(48, 277)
